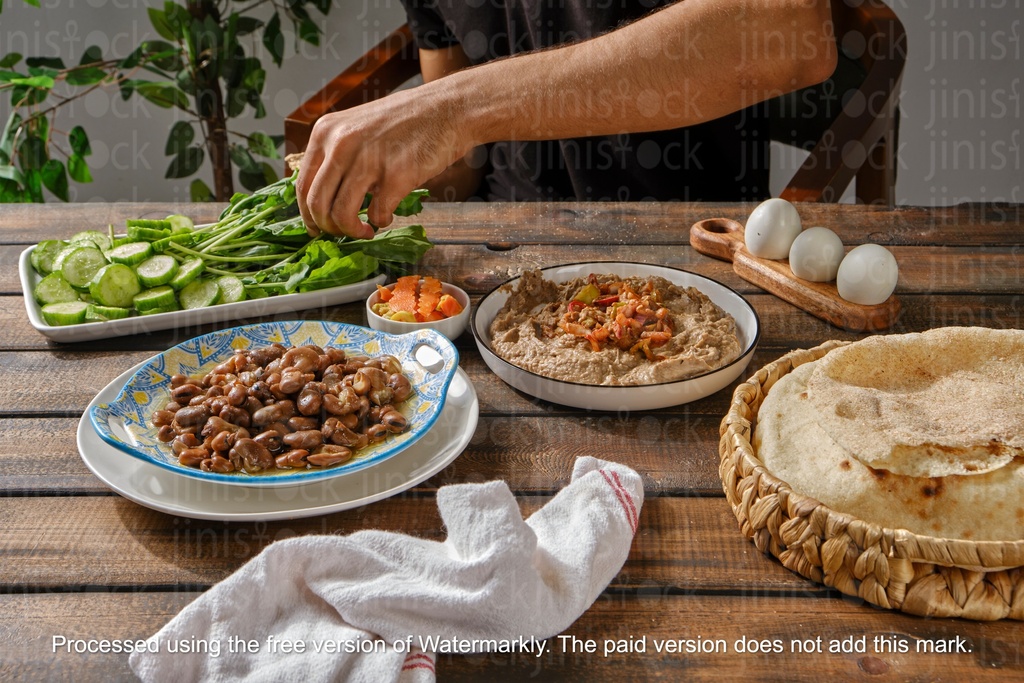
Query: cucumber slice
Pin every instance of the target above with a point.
(131, 253)
(157, 270)
(187, 272)
(154, 311)
(231, 289)
(158, 297)
(161, 245)
(115, 285)
(199, 294)
(54, 289)
(58, 260)
(67, 313)
(148, 223)
(81, 265)
(180, 223)
(147, 234)
(101, 240)
(120, 241)
(96, 313)
(43, 255)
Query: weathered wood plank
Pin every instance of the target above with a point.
(675, 453)
(682, 543)
(577, 223)
(28, 624)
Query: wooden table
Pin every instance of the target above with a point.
(79, 561)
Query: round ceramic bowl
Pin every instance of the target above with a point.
(621, 398)
(449, 327)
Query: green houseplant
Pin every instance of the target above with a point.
(203, 64)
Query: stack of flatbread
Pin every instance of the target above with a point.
(923, 432)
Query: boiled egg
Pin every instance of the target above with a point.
(816, 254)
(771, 229)
(867, 275)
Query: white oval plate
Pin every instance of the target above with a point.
(158, 489)
(125, 423)
(621, 398)
(221, 313)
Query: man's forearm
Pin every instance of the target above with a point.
(694, 61)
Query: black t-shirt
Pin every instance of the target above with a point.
(721, 160)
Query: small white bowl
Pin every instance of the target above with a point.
(449, 327)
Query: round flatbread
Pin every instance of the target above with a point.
(922, 432)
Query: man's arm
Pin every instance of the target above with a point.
(694, 61)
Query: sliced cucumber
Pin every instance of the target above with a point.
(187, 273)
(154, 311)
(96, 313)
(101, 240)
(148, 223)
(115, 285)
(120, 241)
(54, 289)
(180, 223)
(81, 265)
(158, 297)
(67, 313)
(161, 245)
(231, 289)
(58, 260)
(199, 294)
(157, 270)
(140, 234)
(131, 253)
(43, 255)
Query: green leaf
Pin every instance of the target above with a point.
(241, 158)
(323, 5)
(200, 192)
(412, 203)
(159, 21)
(42, 82)
(186, 163)
(85, 76)
(48, 62)
(262, 144)
(180, 137)
(248, 25)
(254, 79)
(406, 244)
(78, 169)
(55, 179)
(164, 94)
(34, 185)
(9, 172)
(91, 55)
(6, 76)
(10, 60)
(340, 271)
(7, 136)
(34, 3)
(79, 141)
(163, 55)
(32, 153)
(309, 32)
(273, 40)
(177, 18)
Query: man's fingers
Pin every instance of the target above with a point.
(382, 208)
(322, 195)
(345, 210)
(311, 163)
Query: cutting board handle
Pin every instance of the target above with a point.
(720, 238)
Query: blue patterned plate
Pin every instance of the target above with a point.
(427, 358)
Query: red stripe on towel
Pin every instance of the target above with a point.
(629, 499)
(420, 665)
(622, 495)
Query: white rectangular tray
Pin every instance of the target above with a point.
(250, 308)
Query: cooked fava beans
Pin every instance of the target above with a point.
(283, 408)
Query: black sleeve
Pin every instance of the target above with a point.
(428, 26)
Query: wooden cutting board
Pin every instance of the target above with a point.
(722, 238)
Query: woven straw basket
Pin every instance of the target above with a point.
(891, 568)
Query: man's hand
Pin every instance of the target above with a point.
(386, 148)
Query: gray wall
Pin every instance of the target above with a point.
(960, 134)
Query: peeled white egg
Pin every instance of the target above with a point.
(771, 229)
(867, 275)
(816, 254)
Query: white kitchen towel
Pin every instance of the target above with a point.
(394, 599)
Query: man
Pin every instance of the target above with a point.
(672, 88)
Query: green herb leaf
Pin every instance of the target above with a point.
(79, 141)
(186, 163)
(55, 179)
(412, 203)
(340, 271)
(78, 169)
(273, 40)
(179, 138)
(42, 82)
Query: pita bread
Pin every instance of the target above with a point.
(923, 432)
